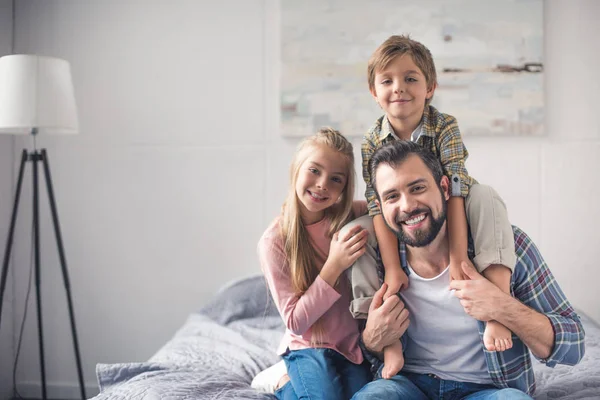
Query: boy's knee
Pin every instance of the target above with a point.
(479, 193)
(366, 222)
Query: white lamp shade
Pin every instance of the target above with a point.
(36, 92)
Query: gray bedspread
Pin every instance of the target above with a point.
(221, 348)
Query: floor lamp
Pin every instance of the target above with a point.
(36, 97)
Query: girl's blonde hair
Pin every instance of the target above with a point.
(301, 254)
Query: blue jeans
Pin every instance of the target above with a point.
(321, 374)
(410, 386)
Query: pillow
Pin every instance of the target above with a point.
(241, 299)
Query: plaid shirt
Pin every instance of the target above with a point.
(533, 284)
(440, 134)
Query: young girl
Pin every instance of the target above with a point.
(303, 257)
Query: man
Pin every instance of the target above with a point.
(444, 353)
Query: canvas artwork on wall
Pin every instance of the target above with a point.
(488, 56)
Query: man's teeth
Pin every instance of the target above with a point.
(415, 220)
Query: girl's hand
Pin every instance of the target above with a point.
(344, 250)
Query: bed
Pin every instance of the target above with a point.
(218, 351)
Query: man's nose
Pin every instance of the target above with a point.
(407, 204)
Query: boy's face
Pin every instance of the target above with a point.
(401, 89)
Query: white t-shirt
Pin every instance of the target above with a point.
(442, 338)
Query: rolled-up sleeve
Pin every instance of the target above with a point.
(367, 150)
(569, 338)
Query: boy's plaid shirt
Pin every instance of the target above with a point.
(533, 284)
(440, 134)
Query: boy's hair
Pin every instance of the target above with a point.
(396, 152)
(299, 251)
(398, 45)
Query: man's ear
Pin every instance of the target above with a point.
(445, 185)
(378, 203)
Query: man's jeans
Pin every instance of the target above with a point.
(410, 386)
(322, 374)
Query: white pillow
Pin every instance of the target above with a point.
(266, 381)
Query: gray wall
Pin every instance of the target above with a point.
(179, 166)
(6, 194)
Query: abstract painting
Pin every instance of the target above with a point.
(488, 56)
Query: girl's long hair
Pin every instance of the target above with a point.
(302, 256)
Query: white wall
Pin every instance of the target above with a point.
(6, 195)
(179, 167)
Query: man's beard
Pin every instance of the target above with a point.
(422, 237)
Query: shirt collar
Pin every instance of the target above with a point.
(427, 128)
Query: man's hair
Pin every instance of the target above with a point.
(396, 152)
(398, 45)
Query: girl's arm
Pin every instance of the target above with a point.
(299, 312)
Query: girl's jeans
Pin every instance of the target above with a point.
(322, 374)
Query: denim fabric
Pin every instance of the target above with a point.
(321, 374)
(409, 386)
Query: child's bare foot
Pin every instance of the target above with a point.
(393, 360)
(497, 337)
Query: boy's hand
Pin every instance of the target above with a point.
(456, 271)
(396, 280)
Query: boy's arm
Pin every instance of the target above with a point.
(453, 154)
(457, 232)
(386, 239)
(395, 277)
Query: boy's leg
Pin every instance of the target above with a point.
(363, 273)
(495, 256)
(490, 228)
(393, 360)
(313, 374)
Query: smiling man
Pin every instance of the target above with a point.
(443, 349)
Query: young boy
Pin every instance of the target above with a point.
(402, 80)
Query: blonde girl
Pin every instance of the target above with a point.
(303, 257)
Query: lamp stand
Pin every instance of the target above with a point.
(36, 157)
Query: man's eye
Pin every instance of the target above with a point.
(391, 197)
(418, 188)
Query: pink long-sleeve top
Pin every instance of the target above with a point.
(300, 312)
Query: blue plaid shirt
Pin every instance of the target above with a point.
(534, 285)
